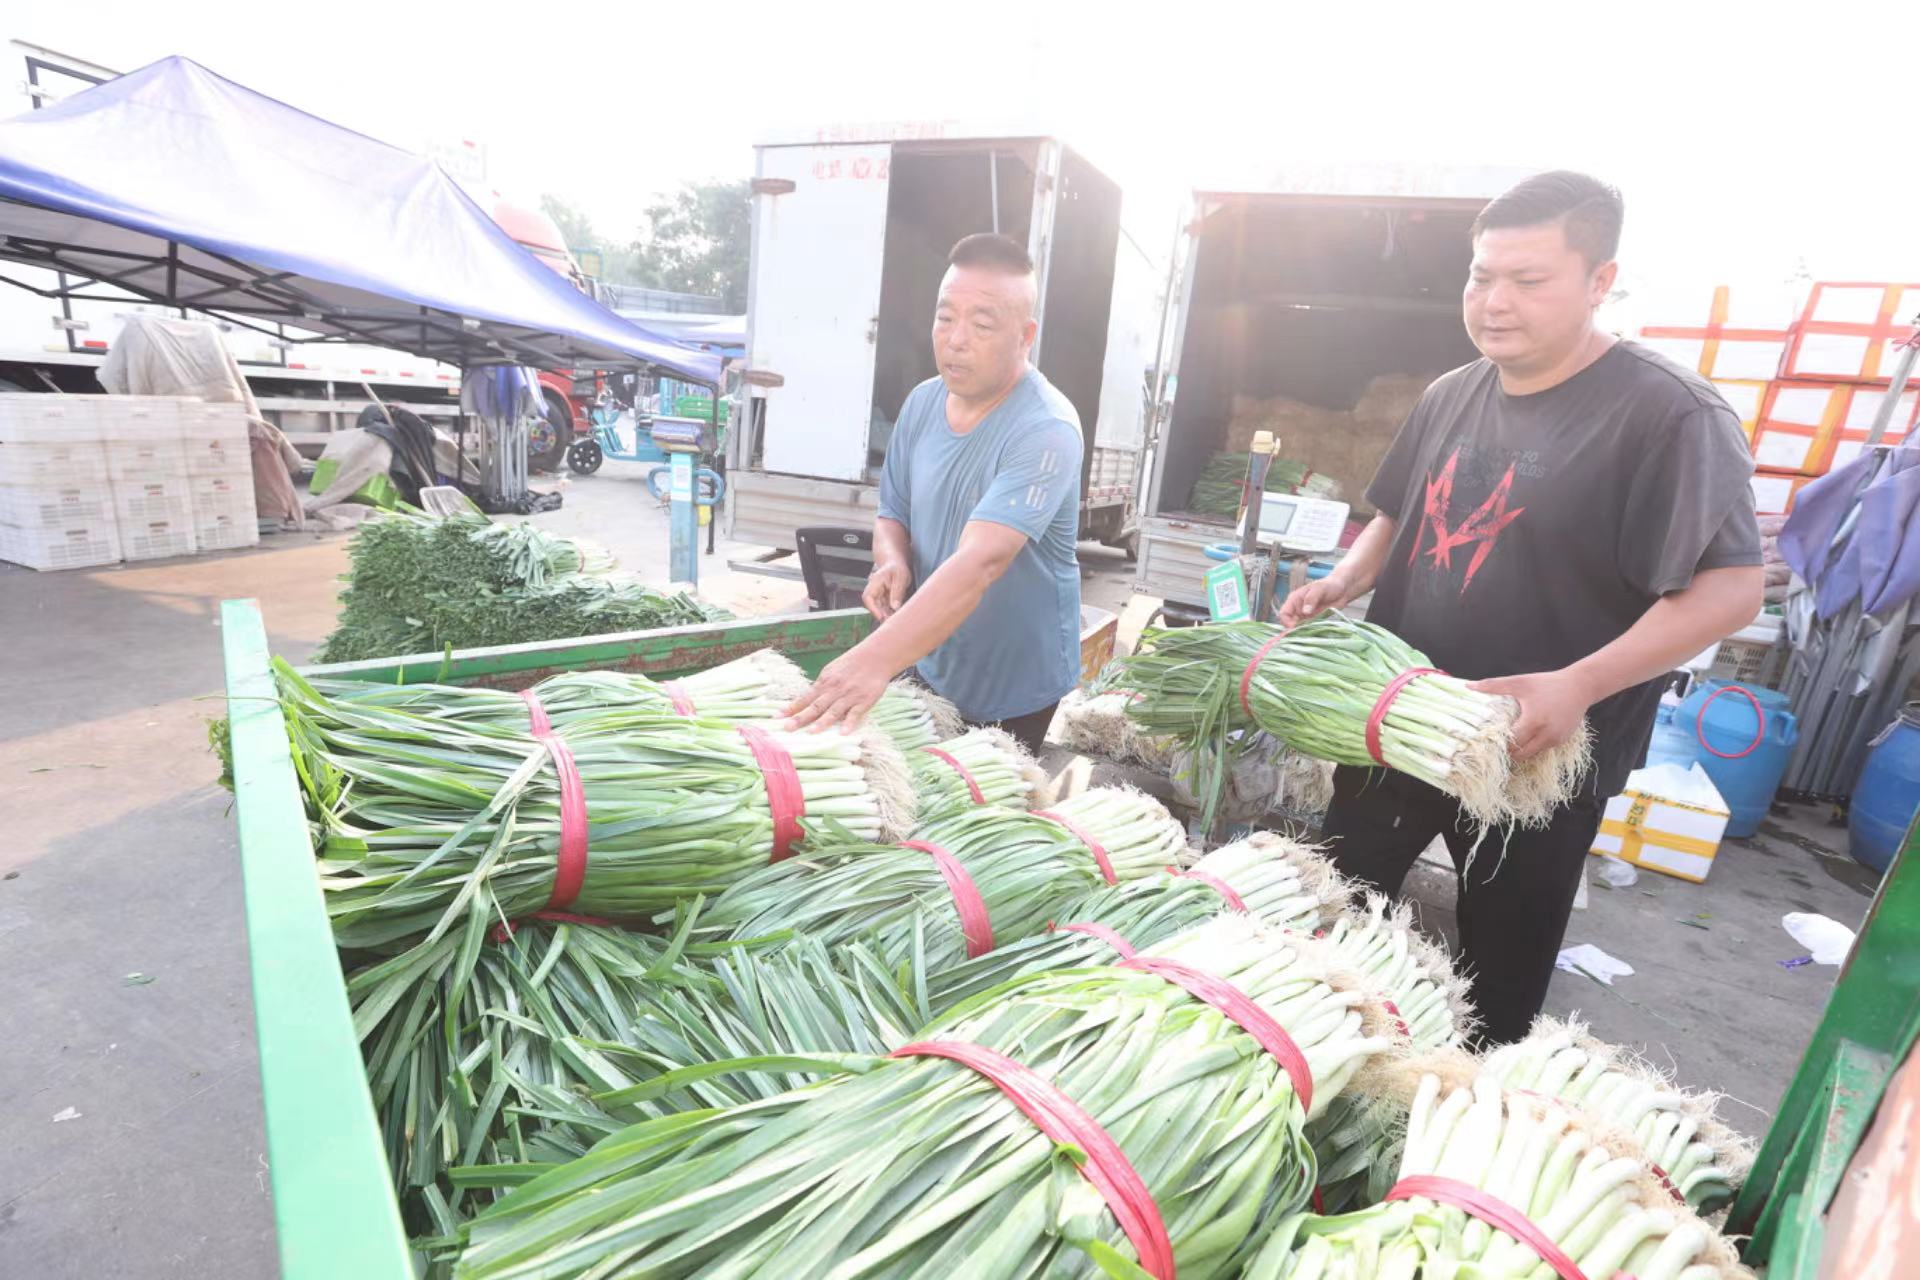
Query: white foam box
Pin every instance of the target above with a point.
(156, 539)
(1674, 837)
(1851, 331)
(1724, 333)
(44, 506)
(77, 546)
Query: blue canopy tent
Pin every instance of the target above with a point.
(177, 186)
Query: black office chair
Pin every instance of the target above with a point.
(835, 564)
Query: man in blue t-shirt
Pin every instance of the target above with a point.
(975, 582)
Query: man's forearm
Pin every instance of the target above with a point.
(935, 611)
(1357, 570)
(1717, 603)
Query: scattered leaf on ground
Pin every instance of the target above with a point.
(136, 979)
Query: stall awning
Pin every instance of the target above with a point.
(186, 189)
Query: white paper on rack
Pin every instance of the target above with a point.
(1828, 940)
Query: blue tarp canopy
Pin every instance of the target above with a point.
(183, 188)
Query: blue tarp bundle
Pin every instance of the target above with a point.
(188, 189)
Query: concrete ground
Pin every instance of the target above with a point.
(129, 1089)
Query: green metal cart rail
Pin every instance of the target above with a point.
(333, 1202)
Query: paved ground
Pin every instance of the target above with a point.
(131, 1103)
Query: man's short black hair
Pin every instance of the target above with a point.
(994, 252)
(1589, 209)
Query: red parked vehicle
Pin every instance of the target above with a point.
(569, 396)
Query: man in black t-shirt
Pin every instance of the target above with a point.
(1563, 521)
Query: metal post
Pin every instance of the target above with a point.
(683, 519)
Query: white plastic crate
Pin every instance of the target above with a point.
(213, 438)
(222, 497)
(225, 532)
(47, 505)
(154, 498)
(156, 539)
(55, 462)
(60, 547)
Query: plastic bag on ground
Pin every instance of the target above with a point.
(1828, 940)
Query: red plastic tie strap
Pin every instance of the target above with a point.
(1246, 677)
(1063, 1120)
(1394, 1010)
(973, 788)
(785, 800)
(1079, 833)
(571, 870)
(1666, 1182)
(1214, 883)
(1239, 1007)
(1101, 932)
(1378, 716)
(536, 714)
(681, 699)
(974, 924)
(506, 929)
(1491, 1210)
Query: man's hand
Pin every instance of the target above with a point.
(1312, 600)
(1551, 704)
(887, 588)
(846, 690)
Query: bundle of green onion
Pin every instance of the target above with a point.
(1221, 489)
(981, 766)
(919, 1165)
(1098, 724)
(1678, 1130)
(422, 821)
(1317, 687)
(1567, 1183)
(1013, 870)
(914, 716)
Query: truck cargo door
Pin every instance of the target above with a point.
(815, 303)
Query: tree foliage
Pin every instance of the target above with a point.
(694, 241)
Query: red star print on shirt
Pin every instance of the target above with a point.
(1484, 526)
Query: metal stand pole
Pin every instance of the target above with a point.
(683, 522)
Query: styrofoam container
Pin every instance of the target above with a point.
(156, 539)
(49, 505)
(78, 546)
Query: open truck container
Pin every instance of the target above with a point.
(850, 239)
(1317, 310)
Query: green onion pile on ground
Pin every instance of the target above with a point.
(1677, 1129)
(419, 583)
(1316, 687)
(899, 899)
(995, 764)
(919, 1166)
(421, 821)
(1586, 1190)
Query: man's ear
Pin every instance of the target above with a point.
(1602, 283)
(1030, 331)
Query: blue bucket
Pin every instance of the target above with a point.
(1888, 792)
(1744, 735)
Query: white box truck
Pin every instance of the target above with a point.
(1318, 310)
(851, 230)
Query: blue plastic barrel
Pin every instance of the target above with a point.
(1670, 743)
(1744, 736)
(1888, 793)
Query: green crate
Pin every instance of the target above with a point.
(332, 1199)
(700, 407)
(377, 492)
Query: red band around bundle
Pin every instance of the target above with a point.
(785, 801)
(1214, 883)
(1379, 714)
(1495, 1212)
(1062, 1119)
(1246, 677)
(973, 788)
(1079, 833)
(1101, 932)
(974, 924)
(505, 930)
(536, 714)
(1241, 1009)
(1394, 1011)
(678, 695)
(571, 870)
(1667, 1182)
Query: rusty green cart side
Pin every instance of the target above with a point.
(333, 1203)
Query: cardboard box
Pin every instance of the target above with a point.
(1676, 837)
(1848, 332)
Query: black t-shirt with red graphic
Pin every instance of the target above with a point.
(1533, 530)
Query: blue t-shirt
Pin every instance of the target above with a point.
(1020, 649)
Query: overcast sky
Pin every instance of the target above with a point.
(1743, 144)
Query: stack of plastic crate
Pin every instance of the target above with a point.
(219, 475)
(148, 466)
(56, 502)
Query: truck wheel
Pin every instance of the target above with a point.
(584, 456)
(548, 440)
(1131, 546)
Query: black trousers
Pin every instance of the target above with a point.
(1029, 730)
(1514, 900)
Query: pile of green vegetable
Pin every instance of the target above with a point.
(1221, 488)
(418, 583)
